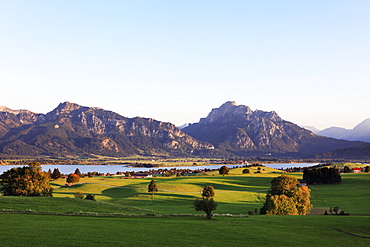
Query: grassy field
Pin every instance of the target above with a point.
(46, 230)
(236, 194)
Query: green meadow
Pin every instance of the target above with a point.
(125, 214)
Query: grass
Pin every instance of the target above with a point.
(46, 230)
(236, 194)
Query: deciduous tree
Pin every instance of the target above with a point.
(73, 178)
(206, 203)
(287, 198)
(26, 181)
(152, 187)
(223, 170)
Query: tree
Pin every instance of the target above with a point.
(346, 169)
(208, 192)
(56, 174)
(206, 203)
(73, 178)
(223, 170)
(286, 198)
(322, 175)
(367, 169)
(246, 170)
(26, 181)
(152, 187)
(78, 172)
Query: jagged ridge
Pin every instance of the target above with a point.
(74, 129)
(240, 130)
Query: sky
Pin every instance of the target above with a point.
(174, 61)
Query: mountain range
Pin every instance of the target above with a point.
(71, 129)
(239, 130)
(231, 129)
(360, 132)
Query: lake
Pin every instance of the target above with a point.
(66, 169)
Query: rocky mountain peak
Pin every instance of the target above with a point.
(229, 109)
(67, 107)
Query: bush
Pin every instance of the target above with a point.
(246, 171)
(79, 195)
(90, 197)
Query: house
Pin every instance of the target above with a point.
(357, 170)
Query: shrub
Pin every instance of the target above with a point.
(90, 197)
(246, 171)
(79, 195)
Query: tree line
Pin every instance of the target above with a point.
(324, 175)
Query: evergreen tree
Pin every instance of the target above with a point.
(77, 172)
(56, 174)
(322, 175)
(26, 181)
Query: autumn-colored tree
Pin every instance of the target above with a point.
(206, 203)
(26, 181)
(152, 187)
(208, 192)
(73, 178)
(286, 198)
(223, 170)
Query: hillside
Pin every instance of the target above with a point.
(238, 129)
(361, 152)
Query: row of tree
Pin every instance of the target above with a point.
(324, 175)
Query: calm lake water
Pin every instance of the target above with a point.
(66, 169)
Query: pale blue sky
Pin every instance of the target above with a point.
(176, 60)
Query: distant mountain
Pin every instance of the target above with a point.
(182, 126)
(238, 129)
(72, 129)
(359, 133)
(311, 128)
